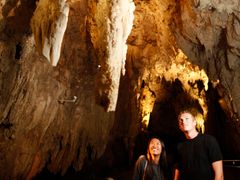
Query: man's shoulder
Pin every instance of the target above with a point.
(208, 137)
(210, 141)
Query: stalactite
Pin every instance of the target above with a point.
(48, 25)
(113, 21)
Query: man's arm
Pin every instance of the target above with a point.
(218, 170)
(176, 174)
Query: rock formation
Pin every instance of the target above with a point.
(80, 77)
(49, 23)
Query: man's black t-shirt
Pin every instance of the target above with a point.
(195, 157)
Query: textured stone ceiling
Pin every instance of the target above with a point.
(74, 72)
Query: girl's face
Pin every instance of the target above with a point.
(155, 147)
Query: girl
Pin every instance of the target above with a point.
(153, 166)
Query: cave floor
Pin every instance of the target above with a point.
(230, 173)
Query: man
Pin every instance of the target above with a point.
(199, 156)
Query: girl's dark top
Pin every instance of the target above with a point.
(152, 171)
(195, 157)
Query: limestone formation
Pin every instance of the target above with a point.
(110, 26)
(49, 23)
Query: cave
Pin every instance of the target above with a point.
(85, 83)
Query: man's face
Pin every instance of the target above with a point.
(186, 122)
(155, 147)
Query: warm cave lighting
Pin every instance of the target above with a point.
(200, 123)
(145, 118)
(145, 121)
(147, 101)
(191, 76)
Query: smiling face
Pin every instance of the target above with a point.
(186, 122)
(155, 147)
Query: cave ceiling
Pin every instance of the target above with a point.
(67, 67)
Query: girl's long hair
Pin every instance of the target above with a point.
(162, 162)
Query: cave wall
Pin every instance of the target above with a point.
(41, 125)
(207, 31)
(55, 105)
